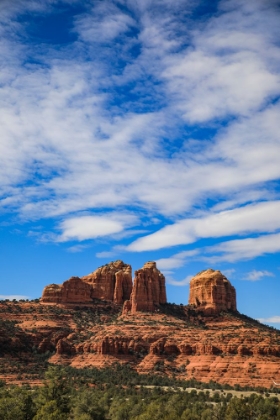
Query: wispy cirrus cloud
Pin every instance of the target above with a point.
(256, 275)
(103, 23)
(86, 227)
(177, 260)
(228, 251)
(229, 272)
(105, 254)
(271, 320)
(230, 64)
(260, 217)
(243, 249)
(95, 124)
(77, 248)
(180, 283)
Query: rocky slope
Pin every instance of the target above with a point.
(228, 348)
(207, 339)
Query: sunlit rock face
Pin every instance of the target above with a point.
(111, 282)
(211, 292)
(73, 290)
(148, 289)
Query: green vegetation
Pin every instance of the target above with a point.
(119, 393)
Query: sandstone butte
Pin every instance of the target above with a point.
(74, 325)
(211, 292)
(111, 282)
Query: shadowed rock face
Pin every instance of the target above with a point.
(111, 282)
(148, 289)
(211, 292)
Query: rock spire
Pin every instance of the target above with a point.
(148, 290)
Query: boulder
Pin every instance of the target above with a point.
(211, 292)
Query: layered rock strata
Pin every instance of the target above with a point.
(148, 290)
(73, 290)
(227, 348)
(111, 282)
(211, 292)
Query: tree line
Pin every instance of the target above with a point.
(118, 394)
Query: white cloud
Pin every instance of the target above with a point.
(235, 84)
(229, 272)
(77, 248)
(228, 251)
(88, 227)
(230, 64)
(256, 275)
(104, 23)
(70, 142)
(184, 282)
(176, 261)
(105, 254)
(243, 249)
(260, 217)
(273, 320)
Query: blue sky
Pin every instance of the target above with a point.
(141, 130)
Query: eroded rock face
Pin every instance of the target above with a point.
(112, 282)
(211, 292)
(148, 289)
(226, 348)
(73, 290)
(52, 293)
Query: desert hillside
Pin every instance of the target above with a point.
(206, 340)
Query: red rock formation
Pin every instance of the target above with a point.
(226, 348)
(73, 290)
(112, 282)
(52, 293)
(123, 285)
(126, 307)
(211, 292)
(148, 289)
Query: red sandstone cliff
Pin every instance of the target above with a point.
(111, 282)
(211, 292)
(190, 341)
(228, 348)
(148, 290)
(73, 290)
